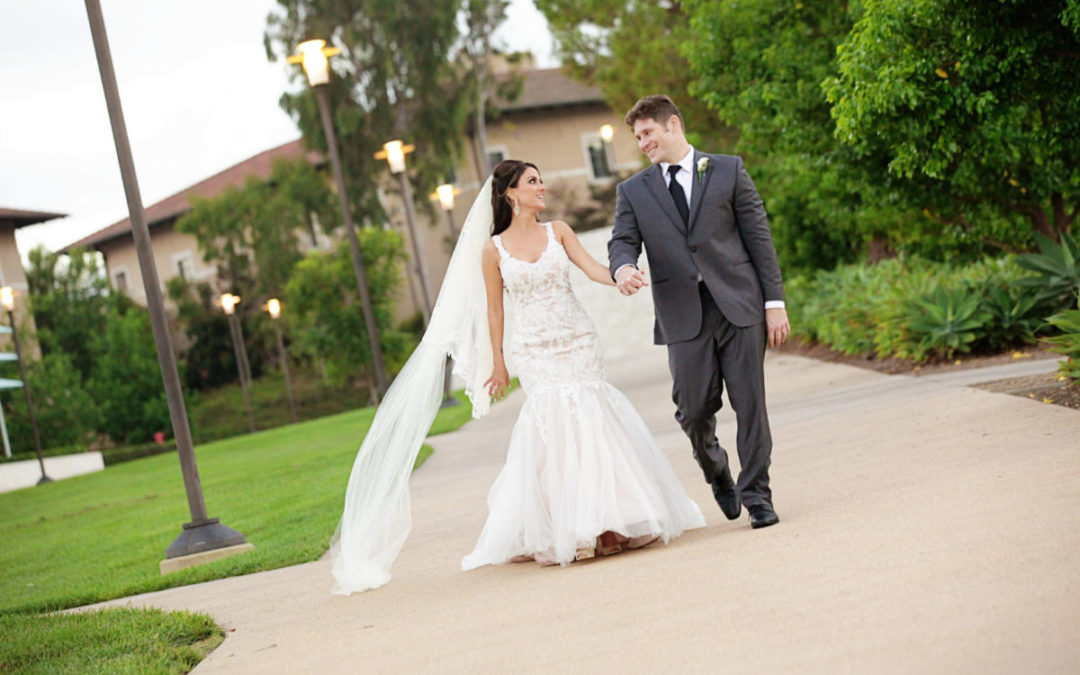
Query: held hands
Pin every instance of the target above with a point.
(499, 382)
(629, 280)
(777, 325)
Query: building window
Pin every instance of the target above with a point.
(597, 157)
(120, 282)
(496, 154)
(185, 268)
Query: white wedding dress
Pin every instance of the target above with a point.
(581, 460)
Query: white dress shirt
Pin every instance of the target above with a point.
(685, 177)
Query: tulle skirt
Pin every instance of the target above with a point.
(581, 462)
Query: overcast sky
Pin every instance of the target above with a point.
(197, 90)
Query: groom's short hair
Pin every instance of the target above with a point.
(657, 107)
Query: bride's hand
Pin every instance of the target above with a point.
(499, 383)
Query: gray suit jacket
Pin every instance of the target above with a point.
(728, 242)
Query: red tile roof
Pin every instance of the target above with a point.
(22, 218)
(550, 88)
(179, 203)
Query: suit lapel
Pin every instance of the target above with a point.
(654, 180)
(698, 189)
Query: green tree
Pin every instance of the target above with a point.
(394, 80)
(66, 414)
(632, 49)
(324, 316)
(126, 381)
(759, 66)
(70, 297)
(973, 107)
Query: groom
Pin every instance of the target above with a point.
(717, 292)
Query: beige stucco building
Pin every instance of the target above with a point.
(12, 274)
(555, 123)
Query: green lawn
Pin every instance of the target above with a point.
(101, 536)
(110, 641)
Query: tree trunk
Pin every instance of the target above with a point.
(1062, 220)
(1042, 223)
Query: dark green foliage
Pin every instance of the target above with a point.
(1058, 269)
(973, 107)
(944, 321)
(126, 380)
(66, 414)
(324, 313)
(629, 50)
(916, 309)
(1068, 342)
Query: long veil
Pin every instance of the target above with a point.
(377, 519)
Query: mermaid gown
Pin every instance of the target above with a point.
(581, 460)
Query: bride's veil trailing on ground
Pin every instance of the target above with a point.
(377, 517)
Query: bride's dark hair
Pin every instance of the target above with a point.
(505, 176)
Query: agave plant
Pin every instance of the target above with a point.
(1015, 315)
(945, 321)
(1058, 267)
(1068, 343)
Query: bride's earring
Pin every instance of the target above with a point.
(517, 209)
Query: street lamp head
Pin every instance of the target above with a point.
(273, 306)
(394, 152)
(312, 54)
(446, 194)
(607, 133)
(7, 298)
(228, 302)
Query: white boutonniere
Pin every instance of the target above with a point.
(702, 167)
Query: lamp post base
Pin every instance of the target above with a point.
(44, 479)
(203, 536)
(449, 402)
(170, 565)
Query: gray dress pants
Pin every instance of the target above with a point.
(720, 354)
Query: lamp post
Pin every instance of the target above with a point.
(446, 193)
(394, 153)
(312, 54)
(228, 303)
(273, 308)
(607, 132)
(202, 538)
(7, 298)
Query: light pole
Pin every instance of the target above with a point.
(607, 132)
(312, 54)
(394, 153)
(446, 193)
(203, 538)
(7, 298)
(228, 303)
(273, 308)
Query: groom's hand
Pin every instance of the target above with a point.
(629, 280)
(777, 325)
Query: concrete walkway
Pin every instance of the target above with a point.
(926, 527)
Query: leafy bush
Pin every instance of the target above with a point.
(944, 321)
(1068, 342)
(1058, 269)
(66, 414)
(911, 308)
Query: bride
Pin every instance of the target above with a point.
(582, 475)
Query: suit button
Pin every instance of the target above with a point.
(693, 248)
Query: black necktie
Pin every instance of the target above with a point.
(678, 195)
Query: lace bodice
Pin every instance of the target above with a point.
(553, 341)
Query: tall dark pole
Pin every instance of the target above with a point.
(354, 245)
(284, 358)
(202, 533)
(29, 399)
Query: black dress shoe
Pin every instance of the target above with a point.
(723, 490)
(762, 515)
